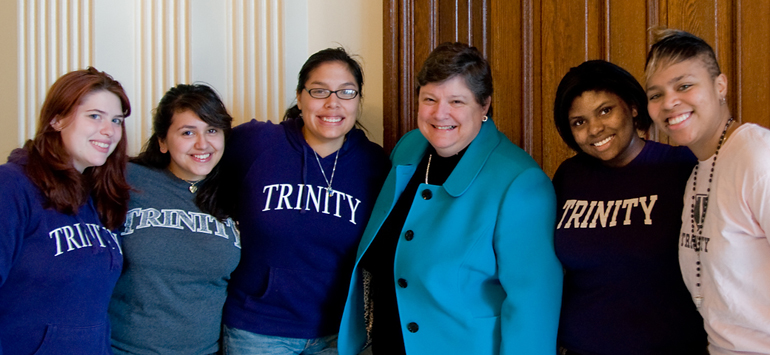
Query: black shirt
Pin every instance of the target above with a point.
(379, 259)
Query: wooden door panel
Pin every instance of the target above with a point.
(752, 80)
(412, 28)
(512, 87)
(626, 31)
(565, 43)
(531, 44)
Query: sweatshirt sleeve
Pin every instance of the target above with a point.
(240, 151)
(528, 268)
(14, 211)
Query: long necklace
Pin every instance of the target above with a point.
(698, 295)
(428, 168)
(193, 186)
(328, 181)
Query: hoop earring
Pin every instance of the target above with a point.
(485, 118)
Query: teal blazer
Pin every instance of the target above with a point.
(479, 261)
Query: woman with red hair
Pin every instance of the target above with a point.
(63, 195)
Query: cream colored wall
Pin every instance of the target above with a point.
(356, 26)
(310, 25)
(9, 128)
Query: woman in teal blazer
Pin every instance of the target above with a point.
(458, 253)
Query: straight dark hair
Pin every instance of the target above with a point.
(49, 164)
(204, 102)
(316, 60)
(599, 76)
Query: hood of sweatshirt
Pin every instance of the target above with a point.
(18, 156)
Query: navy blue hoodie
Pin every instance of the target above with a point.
(57, 272)
(299, 240)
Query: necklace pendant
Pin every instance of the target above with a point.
(698, 301)
(193, 188)
(331, 191)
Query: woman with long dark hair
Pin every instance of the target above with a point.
(302, 191)
(178, 246)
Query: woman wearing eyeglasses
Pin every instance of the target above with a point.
(302, 191)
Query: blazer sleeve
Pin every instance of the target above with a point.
(528, 269)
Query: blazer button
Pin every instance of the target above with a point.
(412, 327)
(402, 283)
(426, 194)
(409, 235)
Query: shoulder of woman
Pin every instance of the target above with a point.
(10, 174)
(514, 158)
(747, 152)
(571, 165)
(247, 130)
(752, 136)
(247, 139)
(411, 145)
(138, 175)
(16, 187)
(656, 152)
(359, 141)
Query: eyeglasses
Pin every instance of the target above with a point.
(342, 94)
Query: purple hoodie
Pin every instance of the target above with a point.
(299, 239)
(57, 272)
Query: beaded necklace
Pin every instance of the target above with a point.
(698, 298)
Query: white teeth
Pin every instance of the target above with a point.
(678, 118)
(603, 141)
(445, 127)
(331, 119)
(202, 156)
(100, 144)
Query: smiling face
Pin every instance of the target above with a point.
(328, 120)
(195, 146)
(449, 116)
(603, 127)
(684, 102)
(93, 130)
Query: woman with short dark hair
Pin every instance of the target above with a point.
(724, 250)
(460, 243)
(618, 225)
(62, 198)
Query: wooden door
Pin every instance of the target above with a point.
(531, 44)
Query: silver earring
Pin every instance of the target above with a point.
(485, 118)
(723, 101)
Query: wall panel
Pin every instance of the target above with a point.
(148, 46)
(511, 47)
(412, 28)
(54, 37)
(532, 44)
(752, 80)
